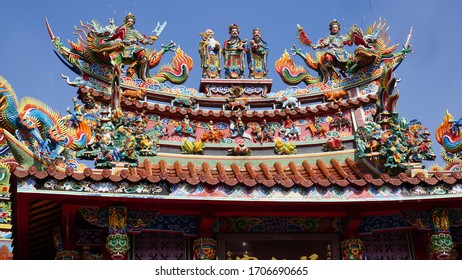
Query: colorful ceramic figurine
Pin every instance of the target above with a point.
(133, 51)
(392, 143)
(234, 52)
(210, 53)
(185, 127)
(257, 56)
(449, 136)
(335, 55)
(39, 129)
(335, 63)
(116, 46)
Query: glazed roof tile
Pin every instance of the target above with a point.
(324, 174)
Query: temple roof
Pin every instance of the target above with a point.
(336, 131)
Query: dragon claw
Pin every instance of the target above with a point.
(295, 50)
(43, 147)
(171, 46)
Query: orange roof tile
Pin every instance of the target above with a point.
(334, 173)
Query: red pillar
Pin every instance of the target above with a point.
(419, 244)
(351, 229)
(206, 222)
(205, 246)
(21, 227)
(68, 226)
(352, 246)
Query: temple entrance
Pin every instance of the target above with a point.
(278, 246)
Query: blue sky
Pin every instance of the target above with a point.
(430, 76)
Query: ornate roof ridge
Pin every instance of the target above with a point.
(154, 108)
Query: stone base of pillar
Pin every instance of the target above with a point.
(68, 255)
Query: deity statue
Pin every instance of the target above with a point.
(335, 52)
(212, 134)
(118, 46)
(290, 129)
(263, 132)
(238, 128)
(333, 62)
(133, 38)
(210, 53)
(234, 51)
(185, 127)
(287, 123)
(257, 56)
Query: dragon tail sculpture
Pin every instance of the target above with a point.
(448, 135)
(387, 96)
(444, 127)
(79, 137)
(178, 71)
(8, 106)
(22, 154)
(450, 146)
(292, 74)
